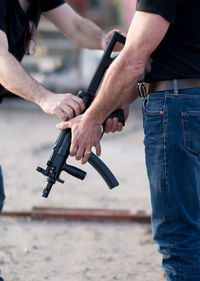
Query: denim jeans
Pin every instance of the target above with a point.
(172, 149)
(2, 194)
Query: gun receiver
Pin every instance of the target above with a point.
(57, 161)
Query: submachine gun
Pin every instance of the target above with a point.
(57, 161)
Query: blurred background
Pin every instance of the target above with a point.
(58, 63)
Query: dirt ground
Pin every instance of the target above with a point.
(68, 250)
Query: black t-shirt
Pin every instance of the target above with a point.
(14, 22)
(178, 55)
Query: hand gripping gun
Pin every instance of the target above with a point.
(57, 161)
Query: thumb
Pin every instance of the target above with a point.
(63, 125)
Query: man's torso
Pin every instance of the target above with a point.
(178, 55)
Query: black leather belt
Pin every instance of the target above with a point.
(167, 85)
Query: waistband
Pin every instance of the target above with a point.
(168, 85)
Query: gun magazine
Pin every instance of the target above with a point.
(103, 170)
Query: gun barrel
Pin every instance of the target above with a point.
(47, 189)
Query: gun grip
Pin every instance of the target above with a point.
(117, 113)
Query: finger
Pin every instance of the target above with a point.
(60, 114)
(63, 125)
(79, 154)
(86, 155)
(73, 149)
(98, 149)
(66, 116)
(120, 127)
(76, 108)
(68, 112)
(114, 124)
(108, 126)
(80, 102)
(117, 126)
(73, 107)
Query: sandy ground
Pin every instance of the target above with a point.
(64, 250)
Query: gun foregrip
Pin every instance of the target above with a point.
(103, 170)
(75, 172)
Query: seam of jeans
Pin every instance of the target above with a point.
(192, 96)
(183, 127)
(165, 129)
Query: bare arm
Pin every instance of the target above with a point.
(14, 78)
(80, 30)
(119, 88)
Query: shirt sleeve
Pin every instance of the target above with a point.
(168, 9)
(3, 6)
(51, 4)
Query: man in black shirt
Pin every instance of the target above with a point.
(18, 21)
(166, 32)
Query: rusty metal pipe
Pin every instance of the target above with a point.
(101, 215)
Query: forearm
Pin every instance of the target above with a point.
(15, 79)
(118, 90)
(90, 35)
(80, 30)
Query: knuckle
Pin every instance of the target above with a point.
(77, 109)
(70, 113)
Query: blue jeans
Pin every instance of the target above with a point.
(2, 194)
(172, 148)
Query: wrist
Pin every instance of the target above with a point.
(41, 96)
(94, 116)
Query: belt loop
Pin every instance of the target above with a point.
(175, 87)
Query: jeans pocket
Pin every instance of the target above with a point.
(191, 131)
(153, 106)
